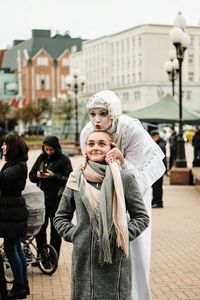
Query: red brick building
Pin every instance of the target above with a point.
(42, 64)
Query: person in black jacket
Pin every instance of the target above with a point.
(172, 147)
(50, 171)
(157, 187)
(13, 211)
(196, 145)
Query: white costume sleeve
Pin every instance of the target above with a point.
(142, 155)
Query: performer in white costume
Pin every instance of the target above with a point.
(135, 150)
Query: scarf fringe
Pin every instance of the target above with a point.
(122, 241)
(107, 248)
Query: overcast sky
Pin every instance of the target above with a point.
(88, 18)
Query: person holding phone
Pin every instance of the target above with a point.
(50, 172)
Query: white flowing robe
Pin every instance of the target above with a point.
(144, 157)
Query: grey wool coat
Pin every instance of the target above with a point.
(90, 280)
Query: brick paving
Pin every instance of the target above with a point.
(175, 264)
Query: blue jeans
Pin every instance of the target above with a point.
(17, 259)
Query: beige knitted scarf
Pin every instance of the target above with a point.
(106, 208)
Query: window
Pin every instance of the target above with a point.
(191, 41)
(133, 43)
(65, 62)
(137, 96)
(42, 82)
(139, 41)
(190, 76)
(74, 49)
(140, 59)
(188, 95)
(63, 82)
(128, 44)
(42, 61)
(122, 46)
(190, 58)
(126, 97)
(133, 62)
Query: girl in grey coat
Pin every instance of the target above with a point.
(101, 195)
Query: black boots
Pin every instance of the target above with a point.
(18, 291)
(27, 289)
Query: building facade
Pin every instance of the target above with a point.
(131, 63)
(41, 64)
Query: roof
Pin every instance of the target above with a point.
(165, 111)
(55, 46)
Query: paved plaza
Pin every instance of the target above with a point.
(175, 265)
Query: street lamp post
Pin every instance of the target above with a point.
(172, 68)
(180, 39)
(75, 84)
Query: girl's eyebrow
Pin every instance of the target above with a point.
(97, 140)
(89, 141)
(100, 110)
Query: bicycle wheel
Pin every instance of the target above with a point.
(48, 259)
(8, 272)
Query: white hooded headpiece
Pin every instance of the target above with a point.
(108, 100)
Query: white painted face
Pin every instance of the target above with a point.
(100, 118)
(4, 149)
(97, 146)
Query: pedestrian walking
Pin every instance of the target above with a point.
(172, 147)
(101, 195)
(13, 211)
(135, 150)
(196, 145)
(157, 187)
(50, 172)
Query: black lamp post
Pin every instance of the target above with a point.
(75, 84)
(180, 39)
(172, 68)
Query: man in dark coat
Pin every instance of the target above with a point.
(157, 187)
(196, 145)
(172, 147)
(51, 171)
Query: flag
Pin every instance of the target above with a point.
(14, 102)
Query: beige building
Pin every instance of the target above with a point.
(131, 63)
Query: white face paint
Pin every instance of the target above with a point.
(100, 118)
